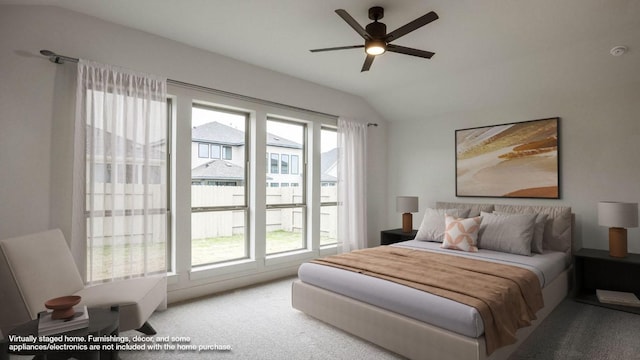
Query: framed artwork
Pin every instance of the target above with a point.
(515, 160)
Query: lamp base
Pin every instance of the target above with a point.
(407, 222)
(618, 242)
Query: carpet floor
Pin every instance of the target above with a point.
(259, 323)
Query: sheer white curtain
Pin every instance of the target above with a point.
(120, 173)
(352, 189)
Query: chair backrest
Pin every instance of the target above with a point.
(33, 269)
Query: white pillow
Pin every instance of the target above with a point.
(511, 233)
(432, 226)
(538, 231)
(461, 234)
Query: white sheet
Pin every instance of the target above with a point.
(420, 305)
(546, 266)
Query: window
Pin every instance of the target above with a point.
(284, 164)
(286, 206)
(215, 151)
(274, 163)
(203, 150)
(328, 190)
(250, 214)
(154, 172)
(219, 210)
(126, 225)
(226, 152)
(102, 173)
(294, 165)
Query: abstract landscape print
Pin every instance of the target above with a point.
(517, 160)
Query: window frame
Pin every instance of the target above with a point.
(297, 167)
(302, 205)
(284, 165)
(202, 146)
(276, 157)
(186, 279)
(225, 208)
(227, 151)
(327, 203)
(218, 154)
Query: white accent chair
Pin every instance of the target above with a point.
(38, 267)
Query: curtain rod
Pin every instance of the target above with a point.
(60, 59)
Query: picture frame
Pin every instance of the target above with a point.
(512, 160)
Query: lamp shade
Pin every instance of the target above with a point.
(407, 204)
(617, 214)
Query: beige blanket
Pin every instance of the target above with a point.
(507, 297)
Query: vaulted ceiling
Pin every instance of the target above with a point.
(488, 52)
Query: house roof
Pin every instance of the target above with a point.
(273, 140)
(327, 161)
(100, 142)
(217, 133)
(219, 170)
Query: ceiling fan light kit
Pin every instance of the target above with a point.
(376, 39)
(375, 47)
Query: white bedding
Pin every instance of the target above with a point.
(420, 305)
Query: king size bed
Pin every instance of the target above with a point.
(414, 317)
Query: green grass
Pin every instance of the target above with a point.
(116, 261)
(211, 250)
(224, 248)
(203, 251)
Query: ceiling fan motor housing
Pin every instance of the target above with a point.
(377, 30)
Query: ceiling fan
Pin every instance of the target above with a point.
(376, 39)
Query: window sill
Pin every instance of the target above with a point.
(290, 257)
(330, 249)
(172, 278)
(207, 271)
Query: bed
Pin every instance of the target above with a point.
(420, 325)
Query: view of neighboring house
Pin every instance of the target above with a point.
(329, 167)
(218, 155)
(105, 146)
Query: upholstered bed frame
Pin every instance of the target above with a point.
(418, 340)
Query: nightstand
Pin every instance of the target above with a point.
(388, 237)
(595, 269)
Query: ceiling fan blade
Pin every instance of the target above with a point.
(415, 24)
(353, 23)
(338, 48)
(367, 63)
(409, 51)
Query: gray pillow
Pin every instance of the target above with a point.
(511, 233)
(433, 226)
(538, 231)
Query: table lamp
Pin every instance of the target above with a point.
(617, 216)
(407, 205)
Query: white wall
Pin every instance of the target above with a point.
(36, 127)
(599, 148)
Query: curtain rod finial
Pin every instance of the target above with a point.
(53, 57)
